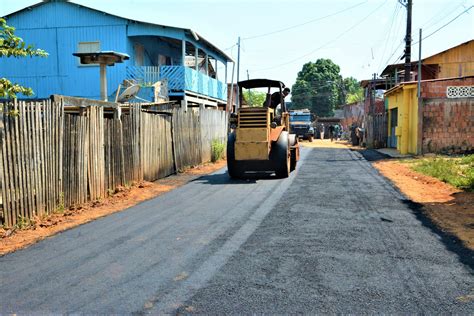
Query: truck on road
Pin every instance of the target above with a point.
(301, 124)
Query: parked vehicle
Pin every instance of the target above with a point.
(260, 140)
(301, 124)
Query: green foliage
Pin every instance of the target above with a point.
(254, 98)
(458, 172)
(24, 223)
(60, 208)
(217, 150)
(352, 90)
(321, 88)
(318, 87)
(13, 46)
(301, 95)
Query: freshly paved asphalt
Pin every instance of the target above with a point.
(335, 237)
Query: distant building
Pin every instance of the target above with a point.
(457, 61)
(440, 120)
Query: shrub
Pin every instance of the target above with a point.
(217, 150)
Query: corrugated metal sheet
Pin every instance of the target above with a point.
(58, 27)
(61, 14)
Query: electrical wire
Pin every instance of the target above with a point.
(327, 43)
(394, 15)
(427, 26)
(301, 24)
(440, 28)
(437, 15)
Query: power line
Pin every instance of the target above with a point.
(427, 25)
(230, 47)
(465, 11)
(396, 49)
(400, 23)
(394, 16)
(326, 44)
(301, 24)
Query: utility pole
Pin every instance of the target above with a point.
(408, 5)
(238, 73)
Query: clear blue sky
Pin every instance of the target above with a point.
(361, 36)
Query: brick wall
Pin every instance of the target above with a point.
(437, 88)
(448, 124)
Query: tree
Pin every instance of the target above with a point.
(353, 90)
(254, 98)
(13, 46)
(301, 95)
(316, 87)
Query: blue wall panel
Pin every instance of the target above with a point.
(58, 27)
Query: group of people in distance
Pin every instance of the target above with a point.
(335, 131)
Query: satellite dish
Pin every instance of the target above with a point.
(128, 94)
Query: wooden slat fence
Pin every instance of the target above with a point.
(51, 159)
(377, 130)
(186, 138)
(31, 160)
(213, 127)
(96, 154)
(76, 159)
(156, 150)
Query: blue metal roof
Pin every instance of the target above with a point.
(135, 27)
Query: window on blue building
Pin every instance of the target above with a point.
(87, 47)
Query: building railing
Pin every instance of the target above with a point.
(144, 75)
(181, 78)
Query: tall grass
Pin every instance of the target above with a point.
(458, 171)
(217, 150)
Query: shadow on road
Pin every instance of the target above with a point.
(223, 178)
(371, 154)
(450, 241)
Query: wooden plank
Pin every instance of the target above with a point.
(29, 160)
(24, 160)
(17, 162)
(6, 179)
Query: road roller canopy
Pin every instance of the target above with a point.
(261, 83)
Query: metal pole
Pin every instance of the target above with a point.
(232, 89)
(419, 143)
(419, 67)
(408, 42)
(238, 73)
(103, 81)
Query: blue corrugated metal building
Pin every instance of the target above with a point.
(180, 56)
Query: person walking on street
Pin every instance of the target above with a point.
(321, 131)
(331, 132)
(337, 131)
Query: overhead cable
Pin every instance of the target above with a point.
(301, 24)
(327, 43)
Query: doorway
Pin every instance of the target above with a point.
(392, 139)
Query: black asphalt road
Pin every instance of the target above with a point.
(334, 237)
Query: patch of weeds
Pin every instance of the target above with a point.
(60, 208)
(457, 171)
(24, 223)
(217, 150)
(110, 192)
